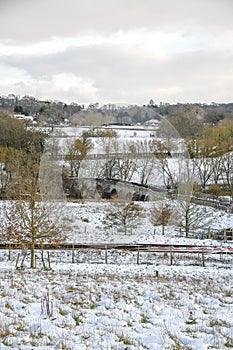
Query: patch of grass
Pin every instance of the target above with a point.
(63, 312)
(177, 343)
(8, 306)
(224, 301)
(229, 344)
(93, 306)
(190, 333)
(4, 332)
(19, 329)
(126, 341)
(144, 319)
(191, 321)
(65, 347)
(188, 330)
(37, 335)
(85, 219)
(219, 323)
(228, 293)
(78, 321)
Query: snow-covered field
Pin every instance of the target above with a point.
(86, 223)
(119, 305)
(98, 306)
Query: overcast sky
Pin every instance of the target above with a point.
(117, 51)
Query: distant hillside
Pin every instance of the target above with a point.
(187, 117)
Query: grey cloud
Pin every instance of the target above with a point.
(39, 20)
(120, 74)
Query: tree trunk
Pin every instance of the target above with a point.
(187, 223)
(32, 256)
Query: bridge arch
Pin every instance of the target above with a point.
(143, 197)
(99, 192)
(136, 196)
(114, 194)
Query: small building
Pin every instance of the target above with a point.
(28, 119)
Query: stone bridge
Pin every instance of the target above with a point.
(93, 188)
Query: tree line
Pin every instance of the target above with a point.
(20, 152)
(188, 118)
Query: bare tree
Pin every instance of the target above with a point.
(191, 215)
(77, 152)
(108, 169)
(11, 162)
(121, 162)
(204, 170)
(125, 215)
(227, 166)
(5, 178)
(160, 215)
(210, 152)
(145, 162)
(162, 150)
(126, 163)
(29, 221)
(218, 169)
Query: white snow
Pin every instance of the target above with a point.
(120, 305)
(116, 306)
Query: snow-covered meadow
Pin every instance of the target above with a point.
(98, 306)
(89, 305)
(85, 222)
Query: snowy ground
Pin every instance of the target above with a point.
(119, 305)
(98, 306)
(86, 223)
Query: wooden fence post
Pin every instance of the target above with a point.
(225, 235)
(209, 233)
(180, 230)
(171, 257)
(9, 252)
(106, 254)
(73, 253)
(203, 258)
(138, 256)
(163, 229)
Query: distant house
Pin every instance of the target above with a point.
(152, 123)
(24, 118)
